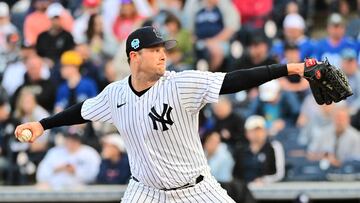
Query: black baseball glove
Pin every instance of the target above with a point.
(328, 83)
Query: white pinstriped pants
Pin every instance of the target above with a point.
(208, 190)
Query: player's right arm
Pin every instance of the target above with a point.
(94, 109)
(70, 116)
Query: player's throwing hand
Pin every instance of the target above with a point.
(35, 127)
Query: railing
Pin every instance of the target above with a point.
(113, 193)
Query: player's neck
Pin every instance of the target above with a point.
(140, 83)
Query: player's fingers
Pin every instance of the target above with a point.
(19, 129)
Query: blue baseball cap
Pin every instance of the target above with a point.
(146, 37)
(348, 54)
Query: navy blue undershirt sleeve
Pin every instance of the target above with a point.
(69, 116)
(244, 79)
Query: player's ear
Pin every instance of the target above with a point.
(133, 55)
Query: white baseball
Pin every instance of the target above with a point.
(25, 136)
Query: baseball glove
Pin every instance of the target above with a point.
(328, 83)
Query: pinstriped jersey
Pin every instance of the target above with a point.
(160, 127)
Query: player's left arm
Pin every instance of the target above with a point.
(238, 80)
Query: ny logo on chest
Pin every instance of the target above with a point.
(164, 119)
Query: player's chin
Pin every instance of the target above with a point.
(161, 70)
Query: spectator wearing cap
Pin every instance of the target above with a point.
(337, 143)
(38, 21)
(89, 7)
(70, 165)
(128, 19)
(280, 108)
(332, 46)
(52, 43)
(114, 167)
(350, 66)
(37, 78)
(9, 50)
(257, 54)
(219, 157)
(6, 27)
(76, 88)
(293, 83)
(262, 161)
(294, 32)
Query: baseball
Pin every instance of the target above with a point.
(25, 136)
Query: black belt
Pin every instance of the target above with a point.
(197, 180)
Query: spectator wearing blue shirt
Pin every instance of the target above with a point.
(294, 29)
(76, 88)
(332, 46)
(219, 157)
(280, 108)
(114, 167)
(349, 65)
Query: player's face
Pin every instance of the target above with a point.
(153, 60)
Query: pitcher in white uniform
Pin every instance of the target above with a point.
(156, 112)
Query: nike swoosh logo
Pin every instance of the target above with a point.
(120, 105)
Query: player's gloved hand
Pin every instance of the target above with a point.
(328, 83)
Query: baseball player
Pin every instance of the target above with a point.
(156, 112)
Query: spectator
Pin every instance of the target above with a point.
(27, 110)
(258, 53)
(102, 44)
(6, 27)
(12, 63)
(350, 66)
(339, 142)
(294, 29)
(179, 57)
(18, 68)
(294, 84)
(229, 125)
(55, 41)
(71, 165)
(6, 30)
(219, 157)
(253, 14)
(36, 78)
(90, 68)
(127, 20)
(76, 88)
(312, 120)
(332, 46)
(261, 161)
(8, 172)
(110, 75)
(280, 108)
(114, 167)
(89, 8)
(212, 31)
(38, 22)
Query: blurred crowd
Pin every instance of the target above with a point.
(55, 53)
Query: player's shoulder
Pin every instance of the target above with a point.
(187, 74)
(117, 84)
